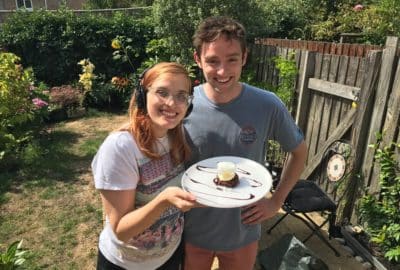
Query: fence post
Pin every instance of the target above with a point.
(391, 126)
(370, 170)
(359, 132)
(303, 103)
(392, 114)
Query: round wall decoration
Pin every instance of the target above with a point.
(336, 167)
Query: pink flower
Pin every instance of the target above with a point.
(39, 103)
(358, 7)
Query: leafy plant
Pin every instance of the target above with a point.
(288, 18)
(109, 96)
(176, 20)
(103, 4)
(13, 258)
(288, 71)
(56, 41)
(287, 74)
(87, 76)
(123, 50)
(374, 20)
(15, 83)
(65, 97)
(249, 76)
(21, 104)
(381, 212)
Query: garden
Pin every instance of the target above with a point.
(66, 81)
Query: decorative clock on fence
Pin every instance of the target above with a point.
(336, 167)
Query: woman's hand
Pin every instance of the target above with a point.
(179, 198)
(126, 221)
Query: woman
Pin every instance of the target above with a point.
(137, 170)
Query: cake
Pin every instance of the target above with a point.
(226, 174)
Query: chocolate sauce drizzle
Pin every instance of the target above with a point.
(206, 169)
(253, 182)
(243, 171)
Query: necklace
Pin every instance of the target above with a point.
(163, 145)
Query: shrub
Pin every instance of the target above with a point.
(65, 97)
(287, 75)
(110, 96)
(55, 41)
(287, 19)
(176, 21)
(15, 88)
(381, 212)
(374, 21)
(22, 106)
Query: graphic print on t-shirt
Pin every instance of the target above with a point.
(248, 135)
(165, 233)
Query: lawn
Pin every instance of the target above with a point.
(51, 202)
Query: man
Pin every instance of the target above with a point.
(234, 118)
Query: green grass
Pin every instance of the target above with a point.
(90, 146)
(50, 201)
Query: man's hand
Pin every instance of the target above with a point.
(268, 207)
(260, 211)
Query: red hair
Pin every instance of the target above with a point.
(139, 124)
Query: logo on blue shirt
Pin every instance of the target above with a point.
(248, 135)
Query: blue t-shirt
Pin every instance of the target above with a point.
(240, 128)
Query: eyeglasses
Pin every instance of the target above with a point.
(182, 98)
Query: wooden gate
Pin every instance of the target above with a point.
(340, 97)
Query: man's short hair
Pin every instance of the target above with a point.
(212, 28)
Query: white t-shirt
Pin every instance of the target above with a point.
(120, 165)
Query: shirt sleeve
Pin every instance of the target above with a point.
(287, 133)
(114, 165)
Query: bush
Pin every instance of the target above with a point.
(55, 41)
(23, 107)
(111, 96)
(287, 76)
(176, 21)
(374, 21)
(287, 19)
(65, 96)
(15, 83)
(381, 212)
(15, 107)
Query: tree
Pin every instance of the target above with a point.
(176, 21)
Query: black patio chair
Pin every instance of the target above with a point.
(307, 196)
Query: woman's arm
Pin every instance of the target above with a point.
(127, 222)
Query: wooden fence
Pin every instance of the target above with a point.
(349, 49)
(327, 88)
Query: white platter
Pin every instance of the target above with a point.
(254, 182)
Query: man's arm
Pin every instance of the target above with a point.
(268, 207)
